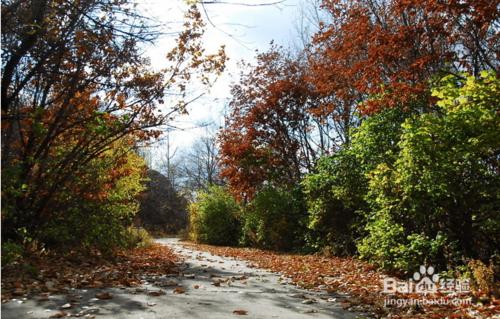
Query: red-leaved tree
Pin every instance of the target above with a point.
(383, 53)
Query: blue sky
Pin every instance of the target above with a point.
(242, 29)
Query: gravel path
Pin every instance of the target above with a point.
(208, 287)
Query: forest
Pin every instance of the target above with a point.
(378, 141)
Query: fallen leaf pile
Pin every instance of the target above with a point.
(358, 280)
(57, 274)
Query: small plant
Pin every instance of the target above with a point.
(483, 277)
(273, 219)
(11, 252)
(138, 237)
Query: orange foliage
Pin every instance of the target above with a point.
(264, 137)
(389, 50)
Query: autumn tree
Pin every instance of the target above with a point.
(269, 133)
(377, 54)
(74, 83)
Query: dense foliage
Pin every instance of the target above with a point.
(389, 122)
(274, 219)
(439, 201)
(335, 203)
(107, 208)
(77, 98)
(266, 138)
(214, 218)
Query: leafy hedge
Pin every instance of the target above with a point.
(274, 219)
(214, 218)
(415, 188)
(440, 200)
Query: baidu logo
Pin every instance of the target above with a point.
(426, 280)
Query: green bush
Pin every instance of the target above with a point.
(439, 202)
(213, 218)
(99, 218)
(137, 237)
(334, 194)
(274, 219)
(336, 190)
(11, 252)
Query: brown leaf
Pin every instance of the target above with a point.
(179, 290)
(59, 314)
(156, 293)
(240, 312)
(103, 295)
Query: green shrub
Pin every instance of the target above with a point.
(334, 194)
(11, 252)
(98, 219)
(438, 203)
(137, 237)
(336, 190)
(213, 218)
(274, 219)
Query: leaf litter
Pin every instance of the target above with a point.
(355, 284)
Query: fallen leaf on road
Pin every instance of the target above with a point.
(216, 284)
(66, 306)
(179, 290)
(60, 314)
(242, 277)
(240, 312)
(169, 283)
(311, 311)
(196, 286)
(103, 295)
(156, 293)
